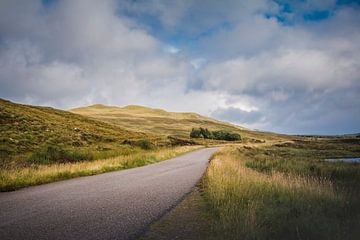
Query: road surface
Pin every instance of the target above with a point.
(115, 205)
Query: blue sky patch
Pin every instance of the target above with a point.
(317, 15)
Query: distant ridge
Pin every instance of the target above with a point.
(153, 120)
(136, 109)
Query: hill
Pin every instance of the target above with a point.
(161, 122)
(26, 128)
(97, 131)
(152, 120)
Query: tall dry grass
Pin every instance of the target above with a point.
(246, 204)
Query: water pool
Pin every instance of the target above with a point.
(350, 160)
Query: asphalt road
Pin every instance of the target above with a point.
(115, 205)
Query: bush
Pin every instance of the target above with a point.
(201, 133)
(223, 135)
(55, 154)
(175, 141)
(206, 133)
(143, 144)
(195, 133)
(218, 135)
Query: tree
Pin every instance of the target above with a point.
(196, 133)
(206, 133)
(218, 135)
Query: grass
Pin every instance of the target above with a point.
(269, 187)
(284, 192)
(160, 122)
(54, 154)
(25, 129)
(152, 120)
(306, 158)
(186, 221)
(18, 177)
(41, 145)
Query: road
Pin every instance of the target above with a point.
(115, 205)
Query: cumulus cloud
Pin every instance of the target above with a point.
(294, 75)
(290, 69)
(78, 51)
(259, 63)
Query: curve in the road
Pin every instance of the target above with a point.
(115, 205)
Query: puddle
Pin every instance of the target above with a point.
(350, 160)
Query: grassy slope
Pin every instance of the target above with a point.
(280, 191)
(27, 128)
(161, 122)
(152, 120)
(41, 144)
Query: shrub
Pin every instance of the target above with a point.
(195, 133)
(51, 154)
(206, 133)
(218, 135)
(143, 144)
(201, 133)
(175, 141)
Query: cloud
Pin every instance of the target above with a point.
(78, 51)
(249, 62)
(284, 69)
(237, 115)
(194, 19)
(168, 13)
(171, 49)
(295, 76)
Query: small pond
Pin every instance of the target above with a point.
(350, 160)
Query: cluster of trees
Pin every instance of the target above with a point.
(218, 135)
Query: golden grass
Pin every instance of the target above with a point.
(25, 128)
(21, 177)
(246, 204)
(229, 169)
(157, 121)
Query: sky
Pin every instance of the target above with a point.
(275, 65)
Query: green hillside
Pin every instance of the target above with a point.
(25, 129)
